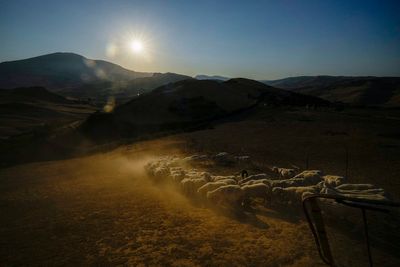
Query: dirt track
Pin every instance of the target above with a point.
(102, 210)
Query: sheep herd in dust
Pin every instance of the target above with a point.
(277, 186)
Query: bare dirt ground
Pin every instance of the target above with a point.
(103, 210)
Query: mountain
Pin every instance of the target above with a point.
(364, 91)
(308, 81)
(188, 103)
(208, 77)
(25, 110)
(61, 71)
(75, 76)
(145, 84)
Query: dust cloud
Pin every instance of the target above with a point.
(103, 209)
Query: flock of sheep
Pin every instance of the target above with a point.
(281, 186)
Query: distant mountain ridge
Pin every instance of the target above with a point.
(308, 81)
(76, 76)
(364, 90)
(209, 77)
(73, 75)
(61, 71)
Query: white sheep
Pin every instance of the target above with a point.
(369, 193)
(221, 177)
(210, 186)
(310, 176)
(194, 158)
(242, 159)
(333, 180)
(355, 186)
(223, 158)
(149, 167)
(293, 182)
(361, 189)
(161, 172)
(222, 155)
(259, 190)
(197, 175)
(228, 195)
(292, 195)
(177, 175)
(262, 181)
(284, 172)
(173, 162)
(189, 186)
(228, 181)
(259, 176)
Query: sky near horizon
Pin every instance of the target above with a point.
(253, 39)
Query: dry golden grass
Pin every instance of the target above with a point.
(103, 210)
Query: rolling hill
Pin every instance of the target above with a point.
(25, 110)
(363, 91)
(61, 71)
(73, 75)
(211, 77)
(186, 104)
(123, 91)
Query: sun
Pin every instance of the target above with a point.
(136, 46)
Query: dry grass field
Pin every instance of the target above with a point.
(103, 210)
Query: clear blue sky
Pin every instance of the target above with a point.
(254, 39)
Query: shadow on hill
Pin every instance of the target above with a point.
(184, 106)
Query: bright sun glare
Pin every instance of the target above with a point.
(136, 46)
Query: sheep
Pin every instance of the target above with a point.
(328, 191)
(161, 172)
(262, 181)
(195, 158)
(228, 181)
(223, 158)
(294, 182)
(197, 175)
(333, 180)
(177, 175)
(371, 193)
(161, 167)
(203, 157)
(190, 186)
(360, 189)
(310, 176)
(228, 195)
(284, 172)
(355, 186)
(149, 167)
(380, 197)
(259, 176)
(259, 190)
(220, 177)
(210, 186)
(374, 191)
(173, 162)
(221, 155)
(292, 195)
(242, 159)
